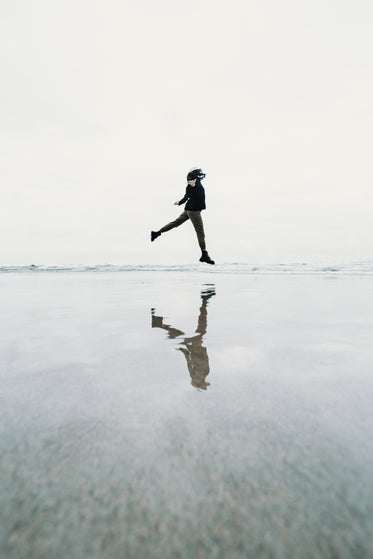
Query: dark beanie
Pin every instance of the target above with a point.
(195, 174)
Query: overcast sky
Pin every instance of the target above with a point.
(105, 105)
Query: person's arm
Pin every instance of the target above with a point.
(183, 200)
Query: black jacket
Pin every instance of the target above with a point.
(196, 198)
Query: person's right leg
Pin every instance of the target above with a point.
(196, 218)
(178, 221)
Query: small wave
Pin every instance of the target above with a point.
(364, 268)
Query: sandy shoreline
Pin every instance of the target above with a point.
(186, 415)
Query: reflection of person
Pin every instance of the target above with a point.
(195, 203)
(192, 348)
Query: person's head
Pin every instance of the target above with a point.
(195, 176)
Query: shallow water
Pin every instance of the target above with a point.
(349, 268)
(183, 414)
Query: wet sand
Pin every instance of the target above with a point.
(185, 415)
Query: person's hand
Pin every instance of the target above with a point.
(176, 203)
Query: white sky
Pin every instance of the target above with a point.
(105, 105)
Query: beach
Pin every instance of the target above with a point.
(169, 414)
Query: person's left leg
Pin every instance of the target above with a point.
(183, 217)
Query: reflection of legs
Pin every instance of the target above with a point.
(157, 322)
(202, 319)
(196, 219)
(178, 221)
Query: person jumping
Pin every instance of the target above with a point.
(195, 203)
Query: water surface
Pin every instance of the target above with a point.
(180, 414)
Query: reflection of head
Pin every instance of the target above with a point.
(201, 386)
(197, 360)
(198, 378)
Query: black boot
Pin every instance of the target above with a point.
(154, 235)
(205, 258)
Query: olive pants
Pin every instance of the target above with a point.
(196, 219)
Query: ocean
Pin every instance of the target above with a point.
(186, 411)
(358, 268)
